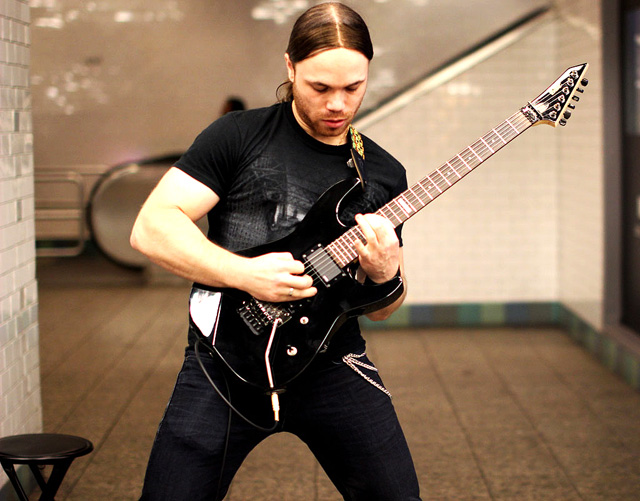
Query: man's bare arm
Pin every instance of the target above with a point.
(165, 231)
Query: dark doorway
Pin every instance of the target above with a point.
(630, 64)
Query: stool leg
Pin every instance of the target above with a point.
(35, 469)
(55, 479)
(15, 481)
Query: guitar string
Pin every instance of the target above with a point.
(325, 262)
(506, 131)
(478, 149)
(475, 148)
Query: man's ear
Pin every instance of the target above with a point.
(290, 69)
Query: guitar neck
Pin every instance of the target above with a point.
(418, 196)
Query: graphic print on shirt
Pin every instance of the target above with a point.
(265, 205)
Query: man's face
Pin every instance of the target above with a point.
(328, 89)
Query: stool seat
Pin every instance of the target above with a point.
(43, 447)
(36, 449)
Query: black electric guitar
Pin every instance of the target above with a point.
(269, 344)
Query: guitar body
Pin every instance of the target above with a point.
(242, 327)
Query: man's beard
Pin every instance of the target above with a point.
(316, 126)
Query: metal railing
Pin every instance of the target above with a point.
(59, 212)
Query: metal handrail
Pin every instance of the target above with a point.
(61, 212)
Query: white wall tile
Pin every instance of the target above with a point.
(581, 247)
(528, 226)
(20, 403)
(493, 237)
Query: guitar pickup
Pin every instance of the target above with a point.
(323, 265)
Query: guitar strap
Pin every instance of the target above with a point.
(357, 155)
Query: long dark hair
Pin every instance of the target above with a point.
(330, 25)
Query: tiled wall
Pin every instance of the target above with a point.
(20, 405)
(527, 227)
(522, 241)
(494, 236)
(581, 164)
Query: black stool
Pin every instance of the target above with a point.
(38, 449)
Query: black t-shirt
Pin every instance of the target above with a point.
(268, 172)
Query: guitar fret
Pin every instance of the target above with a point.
(434, 184)
(497, 134)
(356, 234)
(387, 211)
(481, 151)
(337, 253)
(487, 144)
(458, 164)
(468, 166)
(406, 207)
(343, 247)
(471, 159)
(454, 170)
(424, 189)
(443, 177)
(391, 206)
(474, 152)
(346, 254)
(401, 213)
(485, 150)
(332, 253)
(516, 130)
(415, 195)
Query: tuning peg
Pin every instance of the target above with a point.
(584, 82)
(571, 106)
(567, 115)
(580, 90)
(563, 122)
(575, 98)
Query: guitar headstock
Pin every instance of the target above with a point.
(555, 104)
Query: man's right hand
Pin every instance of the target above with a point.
(276, 277)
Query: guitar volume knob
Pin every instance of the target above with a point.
(292, 351)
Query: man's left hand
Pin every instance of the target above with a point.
(379, 258)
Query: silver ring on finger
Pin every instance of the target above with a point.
(290, 291)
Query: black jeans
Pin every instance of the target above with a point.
(350, 426)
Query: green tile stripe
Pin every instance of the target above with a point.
(470, 314)
(617, 357)
(612, 354)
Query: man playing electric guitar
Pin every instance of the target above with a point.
(257, 174)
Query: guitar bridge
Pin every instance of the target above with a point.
(260, 316)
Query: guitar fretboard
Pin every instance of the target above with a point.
(418, 196)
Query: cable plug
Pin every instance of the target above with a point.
(275, 404)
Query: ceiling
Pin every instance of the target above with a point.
(140, 77)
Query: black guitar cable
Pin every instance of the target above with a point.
(225, 399)
(232, 408)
